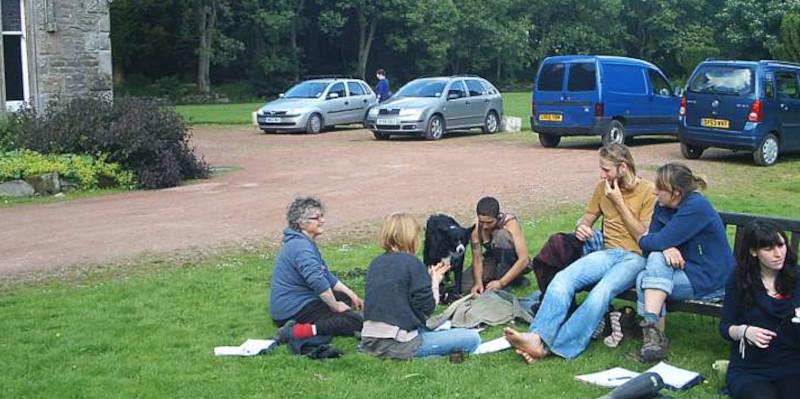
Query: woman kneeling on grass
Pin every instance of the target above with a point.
(761, 298)
(689, 256)
(400, 294)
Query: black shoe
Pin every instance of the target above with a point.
(284, 333)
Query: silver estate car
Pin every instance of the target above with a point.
(315, 104)
(433, 106)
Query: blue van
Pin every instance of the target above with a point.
(612, 97)
(741, 105)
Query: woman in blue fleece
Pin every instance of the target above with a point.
(689, 255)
(305, 298)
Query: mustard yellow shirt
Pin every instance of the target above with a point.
(639, 200)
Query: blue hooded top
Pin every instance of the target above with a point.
(300, 276)
(696, 229)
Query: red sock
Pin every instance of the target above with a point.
(303, 330)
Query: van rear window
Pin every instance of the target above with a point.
(582, 77)
(720, 79)
(551, 77)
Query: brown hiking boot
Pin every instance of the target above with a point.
(654, 344)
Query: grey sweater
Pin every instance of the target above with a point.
(398, 291)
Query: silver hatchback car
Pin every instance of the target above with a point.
(315, 104)
(433, 106)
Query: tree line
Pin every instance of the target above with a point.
(269, 44)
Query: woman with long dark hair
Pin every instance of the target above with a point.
(761, 298)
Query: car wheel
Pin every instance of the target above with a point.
(381, 135)
(266, 131)
(615, 133)
(435, 129)
(767, 152)
(492, 123)
(691, 151)
(314, 124)
(549, 140)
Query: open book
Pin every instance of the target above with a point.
(251, 347)
(674, 377)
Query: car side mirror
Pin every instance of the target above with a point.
(281, 95)
(333, 95)
(453, 95)
(678, 91)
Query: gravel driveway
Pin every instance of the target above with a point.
(360, 179)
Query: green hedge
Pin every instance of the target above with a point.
(86, 170)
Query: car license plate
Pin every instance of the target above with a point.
(551, 117)
(388, 121)
(272, 120)
(716, 123)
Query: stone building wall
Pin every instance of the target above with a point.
(71, 49)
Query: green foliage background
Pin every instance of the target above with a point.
(262, 46)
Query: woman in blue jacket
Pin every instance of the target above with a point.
(761, 299)
(305, 298)
(689, 255)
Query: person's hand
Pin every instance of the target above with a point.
(674, 258)
(358, 304)
(760, 337)
(437, 272)
(340, 307)
(477, 289)
(613, 192)
(494, 285)
(583, 232)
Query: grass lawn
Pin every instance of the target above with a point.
(149, 331)
(219, 114)
(516, 104)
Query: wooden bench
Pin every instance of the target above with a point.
(737, 221)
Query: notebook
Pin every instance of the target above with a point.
(251, 347)
(610, 378)
(674, 378)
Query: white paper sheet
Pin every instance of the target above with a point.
(251, 347)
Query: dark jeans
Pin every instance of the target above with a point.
(327, 321)
(781, 389)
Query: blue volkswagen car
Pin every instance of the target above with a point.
(742, 105)
(612, 97)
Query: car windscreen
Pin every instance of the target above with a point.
(723, 79)
(422, 88)
(306, 90)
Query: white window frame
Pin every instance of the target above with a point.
(15, 105)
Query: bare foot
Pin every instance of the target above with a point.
(529, 345)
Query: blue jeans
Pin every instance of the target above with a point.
(441, 343)
(674, 282)
(614, 271)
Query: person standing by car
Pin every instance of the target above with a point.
(306, 299)
(382, 89)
